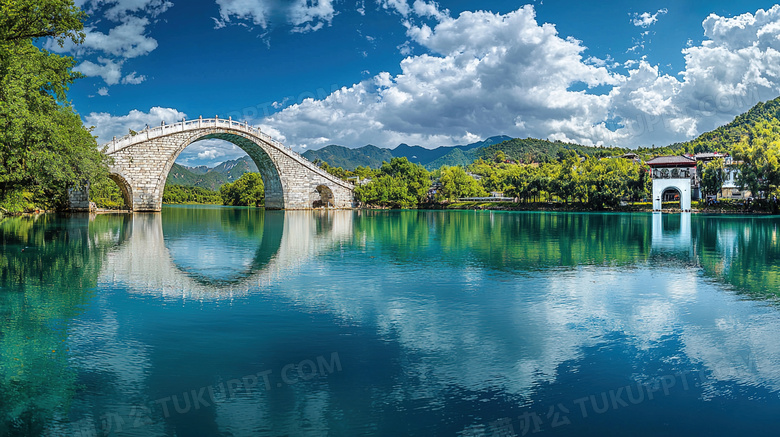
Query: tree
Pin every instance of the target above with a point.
(759, 170)
(44, 147)
(401, 184)
(414, 177)
(335, 171)
(248, 190)
(456, 183)
(106, 194)
(174, 193)
(713, 174)
(366, 172)
(25, 20)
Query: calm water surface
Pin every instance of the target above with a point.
(238, 322)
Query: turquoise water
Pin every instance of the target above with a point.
(206, 321)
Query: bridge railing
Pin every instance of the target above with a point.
(184, 125)
(166, 129)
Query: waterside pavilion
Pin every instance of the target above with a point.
(672, 176)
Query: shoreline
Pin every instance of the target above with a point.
(460, 206)
(507, 206)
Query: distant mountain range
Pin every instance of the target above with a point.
(372, 156)
(211, 178)
(337, 156)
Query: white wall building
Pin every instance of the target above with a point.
(672, 180)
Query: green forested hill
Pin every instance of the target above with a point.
(372, 156)
(234, 169)
(724, 137)
(534, 150)
(210, 178)
(456, 157)
(180, 175)
(349, 159)
(445, 155)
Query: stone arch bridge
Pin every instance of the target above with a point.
(143, 160)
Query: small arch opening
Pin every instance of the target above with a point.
(112, 193)
(671, 198)
(323, 197)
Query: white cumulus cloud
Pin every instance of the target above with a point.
(303, 15)
(400, 6)
(646, 19)
(127, 38)
(485, 74)
(733, 69)
(133, 79)
(210, 154)
(108, 126)
(106, 68)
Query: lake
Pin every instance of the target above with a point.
(215, 321)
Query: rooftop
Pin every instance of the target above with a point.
(672, 160)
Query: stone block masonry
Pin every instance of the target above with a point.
(142, 163)
(78, 198)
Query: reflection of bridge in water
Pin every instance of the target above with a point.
(146, 262)
(476, 341)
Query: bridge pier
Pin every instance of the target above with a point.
(78, 198)
(142, 163)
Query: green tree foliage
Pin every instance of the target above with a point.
(366, 172)
(713, 174)
(25, 20)
(456, 183)
(759, 169)
(176, 194)
(248, 190)
(335, 171)
(44, 147)
(106, 194)
(597, 183)
(400, 184)
(744, 127)
(532, 150)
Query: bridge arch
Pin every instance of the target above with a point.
(274, 191)
(124, 188)
(322, 196)
(143, 160)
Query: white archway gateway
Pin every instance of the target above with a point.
(142, 161)
(672, 172)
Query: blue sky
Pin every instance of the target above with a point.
(383, 72)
